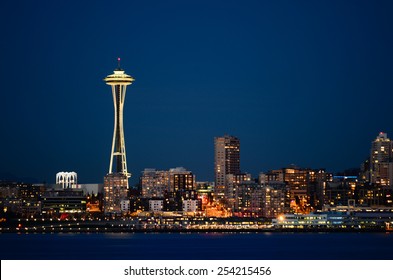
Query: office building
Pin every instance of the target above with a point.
(56, 201)
(381, 162)
(226, 161)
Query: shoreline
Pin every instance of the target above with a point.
(187, 231)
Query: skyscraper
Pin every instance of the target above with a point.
(116, 181)
(381, 160)
(226, 161)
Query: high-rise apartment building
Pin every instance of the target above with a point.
(248, 199)
(232, 181)
(275, 199)
(226, 161)
(381, 161)
(156, 183)
(181, 180)
(173, 186)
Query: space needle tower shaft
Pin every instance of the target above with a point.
(119, 81)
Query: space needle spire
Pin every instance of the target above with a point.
(119, 81)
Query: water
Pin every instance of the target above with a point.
(197, 246)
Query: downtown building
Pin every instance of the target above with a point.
(296, 179)
(226, 161)
(340, 191)
(233, 181)
(205, 193)
(157, 183)
(22, 199)
(154, 183)
(182, 188)
(176, 188)
(248, 200)
(376, 186)
(255, 200)
(57, 201)
(381, 161)
(64, 198)
(306, 186)
(275, 199)
(374, 196)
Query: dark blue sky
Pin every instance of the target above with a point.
(304, 82)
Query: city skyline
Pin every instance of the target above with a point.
(304, 83)
(243, 172)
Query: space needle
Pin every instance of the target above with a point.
(116, 181)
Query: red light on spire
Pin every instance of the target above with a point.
(118, 62)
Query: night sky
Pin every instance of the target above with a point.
(302, 82)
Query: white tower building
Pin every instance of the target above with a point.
(116, 181)
(119, 81)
